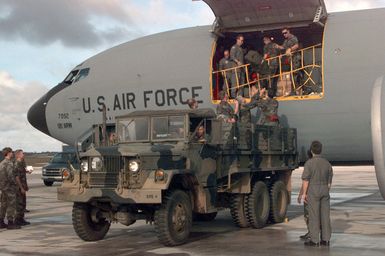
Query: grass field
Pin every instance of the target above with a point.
(38, 160)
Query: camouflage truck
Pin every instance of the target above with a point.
(158, 171)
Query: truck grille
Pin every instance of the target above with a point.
(52, 172)
(109, 176)
(103, 179)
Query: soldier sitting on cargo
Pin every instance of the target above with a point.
(224, 110)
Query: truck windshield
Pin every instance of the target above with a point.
(168, 128)
(133, 129)
(63, 158)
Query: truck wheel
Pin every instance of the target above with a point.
(174, 218)
(48, 183)
(279, 200)
(205, 216)
(237, 210)
(258, 205)
(85, 227)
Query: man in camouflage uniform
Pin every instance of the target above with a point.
(224, 110)
(8, 190)
(237, 56)
(226, 63)
(290, 45)
(22, 187)
(268, 107)
(270, 51)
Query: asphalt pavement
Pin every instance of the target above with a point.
(358, 221)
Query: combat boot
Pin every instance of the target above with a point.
(12, 225)
(22, 222)
(2, 224)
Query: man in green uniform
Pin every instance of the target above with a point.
(237, 56)
(290, 46)
(317, 179)
(269, 108)
(8, 190)
(22, 187)
(224, 110)
(260, 99)
(270, 51)
(305, 207)
(226, 63)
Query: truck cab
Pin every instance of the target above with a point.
(169, 166)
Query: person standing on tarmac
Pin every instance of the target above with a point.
(8, 190)
(316, 183)
(22, 188)
(305, 207)
(237, 56)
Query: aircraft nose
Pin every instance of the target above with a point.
(36, 115)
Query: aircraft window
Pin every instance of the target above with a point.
(82, 74)
(71, 77)
(297, 76)
(168, 128)
(131, 130)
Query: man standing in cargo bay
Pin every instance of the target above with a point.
(237, 56)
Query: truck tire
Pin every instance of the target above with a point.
(258, 205)
(85, 227)
(279, 201)
(204, 216)
(237, 210)
(173, 219)
(48, 183)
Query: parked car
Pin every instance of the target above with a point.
(52, 172)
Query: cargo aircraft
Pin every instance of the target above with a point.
(341, 63)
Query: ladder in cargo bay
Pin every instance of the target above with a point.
(300, 70)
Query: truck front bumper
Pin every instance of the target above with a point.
(52, 178)
(120, 196)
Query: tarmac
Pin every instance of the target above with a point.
(357, 212)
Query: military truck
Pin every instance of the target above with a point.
(158, 171)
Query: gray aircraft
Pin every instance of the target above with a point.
(340, 62)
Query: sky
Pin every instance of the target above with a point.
(42, 40)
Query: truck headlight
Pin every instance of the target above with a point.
(44, 171)
(96, 164)
(84, 166)
(66, 174)
(133, 166)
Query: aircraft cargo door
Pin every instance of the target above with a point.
(235, 15)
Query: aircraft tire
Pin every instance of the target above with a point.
(237, 210)
(206, 217)
(85, 227)
(258, 205)
(173, 220)
(48, 183)
(279, 201)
